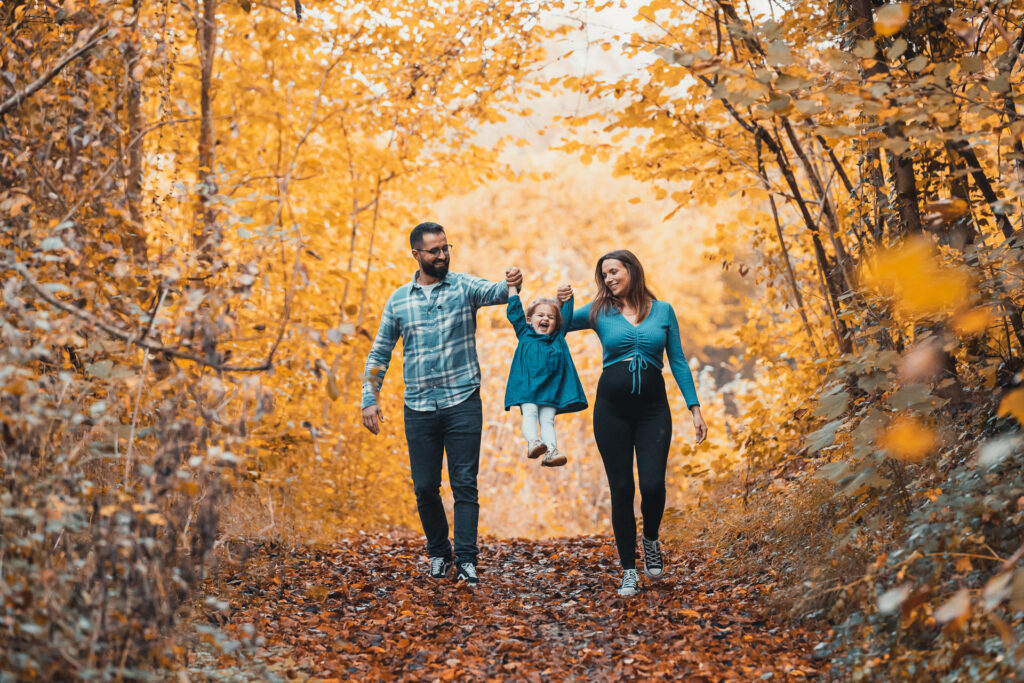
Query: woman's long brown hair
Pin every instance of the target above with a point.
(638, 296)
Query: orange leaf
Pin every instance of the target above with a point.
(1013, 404)
(908, 439)
(889, 19)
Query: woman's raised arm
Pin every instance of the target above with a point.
(578, 320)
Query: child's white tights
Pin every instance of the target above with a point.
(546, 415)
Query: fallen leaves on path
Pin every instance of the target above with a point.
(544, 610)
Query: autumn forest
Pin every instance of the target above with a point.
(206, 204)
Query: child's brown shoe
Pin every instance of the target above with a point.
(553, 458)
(535, 449)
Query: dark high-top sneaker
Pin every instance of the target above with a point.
(654, 564)
(466, 571)
(439, 567)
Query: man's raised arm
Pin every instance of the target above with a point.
(486, 293)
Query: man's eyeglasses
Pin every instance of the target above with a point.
(437, 250)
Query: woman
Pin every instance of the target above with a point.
(631, 411)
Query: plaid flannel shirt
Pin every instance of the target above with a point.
(440, 365)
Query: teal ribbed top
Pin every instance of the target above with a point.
(646, 344)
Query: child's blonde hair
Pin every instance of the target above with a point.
(546, 301)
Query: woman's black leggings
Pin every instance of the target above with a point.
(625, 422)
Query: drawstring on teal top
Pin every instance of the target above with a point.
(637, 364)
(644, 345)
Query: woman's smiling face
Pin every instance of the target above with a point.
(543, 319)
(616, 276)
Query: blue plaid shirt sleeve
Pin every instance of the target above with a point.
(379, 358)
(483, 292)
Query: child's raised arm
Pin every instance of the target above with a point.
(514, 313)
(567, 306)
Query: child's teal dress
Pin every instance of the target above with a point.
(542, 371)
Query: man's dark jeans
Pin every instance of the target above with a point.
(454, 430)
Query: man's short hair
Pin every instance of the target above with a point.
(416, 236)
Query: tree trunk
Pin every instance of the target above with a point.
(842, 258)
(832, 288)
(797, 297)
(901, 163)
(963, 148)
(205, 233)
(136, 239)
(962, 232)
(901, 170)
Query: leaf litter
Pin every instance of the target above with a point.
(364, 609)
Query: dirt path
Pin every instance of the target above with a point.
(545, 610)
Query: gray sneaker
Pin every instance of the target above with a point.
(654, 564)
(630, 583)
(553, 458)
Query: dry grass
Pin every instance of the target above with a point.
(786, 529)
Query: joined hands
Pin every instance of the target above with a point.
(514, 277)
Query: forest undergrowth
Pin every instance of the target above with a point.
(907, 580)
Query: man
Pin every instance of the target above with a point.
(435, 315)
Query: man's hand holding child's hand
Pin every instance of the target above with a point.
(514, 277)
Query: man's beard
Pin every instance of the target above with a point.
(430, 270)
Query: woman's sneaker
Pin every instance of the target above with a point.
(630, 583)
(439, 567)
(553, 458)
(467, 572)
(535, 449)
(654, 564)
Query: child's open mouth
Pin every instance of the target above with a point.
(543, 327)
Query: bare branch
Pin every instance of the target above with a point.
(133, 338)
(138, 394)
(90, 41)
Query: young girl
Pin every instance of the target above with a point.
(542, 380)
